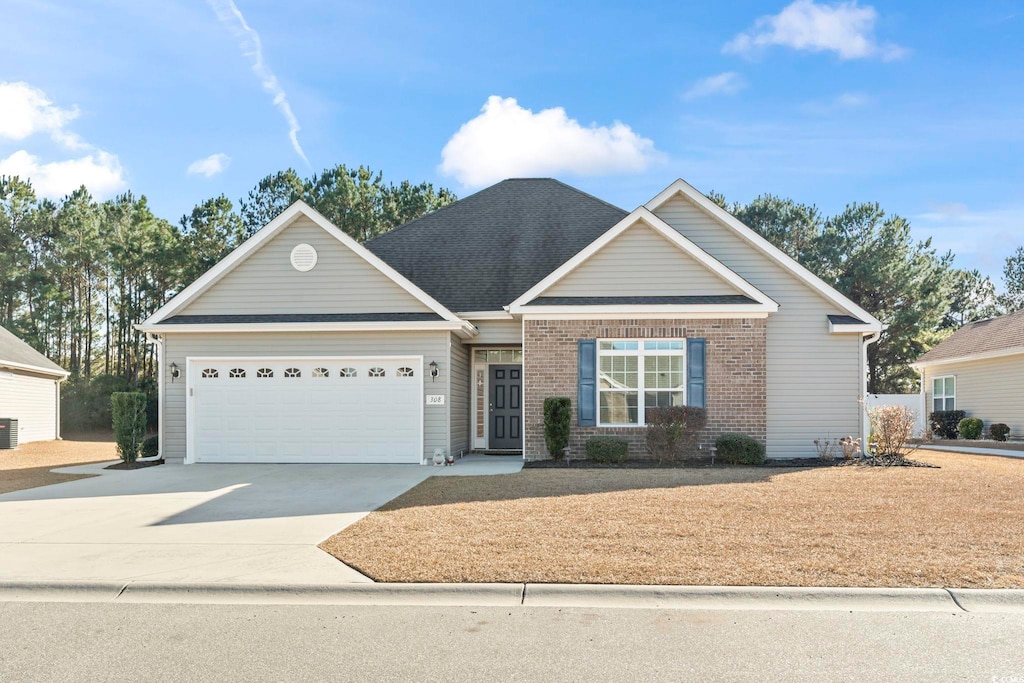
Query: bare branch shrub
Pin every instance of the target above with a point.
(893, 428)
(826, 448)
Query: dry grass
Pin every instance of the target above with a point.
(29, 465)
(962, 525)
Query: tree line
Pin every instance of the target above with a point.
(76, 275)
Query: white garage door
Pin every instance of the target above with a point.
(314, 410)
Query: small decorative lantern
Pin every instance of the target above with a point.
(433, 370)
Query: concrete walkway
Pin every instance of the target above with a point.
(1005, 452)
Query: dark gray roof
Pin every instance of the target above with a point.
(482, 252)
(300, 318)
(720, 299)
(14, 350)
(845, 320)
(985, 336)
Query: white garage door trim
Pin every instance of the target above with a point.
(192, 370)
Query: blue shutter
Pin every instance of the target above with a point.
(586, 397)
(695, 370)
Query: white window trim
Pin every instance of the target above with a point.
(640, 352)
(944, 395)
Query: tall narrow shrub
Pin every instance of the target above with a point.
(557, 420)
(129, 418)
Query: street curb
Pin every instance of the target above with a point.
(60, 591)
(740, 598)
(989, 600)
(446, 594)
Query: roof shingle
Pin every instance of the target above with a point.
(482, 252)
(985, 336)
(14, 350)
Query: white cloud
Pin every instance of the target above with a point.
(210, 166)
(728, 83)
(252, 47)
(507, 140)
(844, 28)
(843, 101)
(981, 237)
(26, 111)
(99, 171)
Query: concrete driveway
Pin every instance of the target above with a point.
(195, 523)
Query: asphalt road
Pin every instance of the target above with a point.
(165, 642)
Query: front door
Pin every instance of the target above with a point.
(506, 406)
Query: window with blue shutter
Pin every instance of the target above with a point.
(586, 401)
(696, 368)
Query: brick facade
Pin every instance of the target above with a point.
(735, 379)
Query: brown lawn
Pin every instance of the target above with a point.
(962, 525)
(29, 465)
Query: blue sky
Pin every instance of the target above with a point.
(916, 105)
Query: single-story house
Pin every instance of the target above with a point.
(448, 333)
(29, 389)
(978, 369)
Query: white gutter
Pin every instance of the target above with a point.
(865, 420)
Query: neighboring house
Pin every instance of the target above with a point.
(29, 389)
(978, 369)
(450, 331)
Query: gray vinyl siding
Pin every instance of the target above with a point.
(341, 281)
(500, 332)
(32, 400)
(640, 262)
(813, 378)
(433, 346)
(988, 389)
(459, 410)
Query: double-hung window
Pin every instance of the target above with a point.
(944, 393)
(637, 374)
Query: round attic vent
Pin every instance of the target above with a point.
(303, 257)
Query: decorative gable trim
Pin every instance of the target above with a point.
(264, 235)
(760, 243)
(642, 215)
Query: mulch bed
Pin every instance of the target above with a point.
(133, 465)
(888, 461)
(683, 464)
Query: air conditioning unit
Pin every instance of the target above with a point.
(8, 433)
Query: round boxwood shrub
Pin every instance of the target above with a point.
(607, 449)
(999, 431)
(971, 428)
(150, 447)
(740, 449)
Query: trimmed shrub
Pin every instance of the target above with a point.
(150, 447)
(673, 433)
(740, 449)
(971, 428)
(945, 423)
(999, 431)
(609, 449)
(557, 420)
(129, 420)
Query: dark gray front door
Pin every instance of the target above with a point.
(506, 406)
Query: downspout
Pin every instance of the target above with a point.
(865, 420)
(158, 342)
(57, 389)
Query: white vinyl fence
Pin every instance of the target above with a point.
(913, 401)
